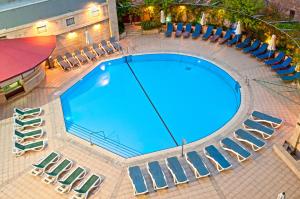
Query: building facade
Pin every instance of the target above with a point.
(290, 8)
(70, 21)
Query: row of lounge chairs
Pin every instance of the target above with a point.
(281, 64)
(27, 133)
(88, 54)
(55, 169)
(259, 122)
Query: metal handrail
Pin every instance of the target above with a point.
(100, 139)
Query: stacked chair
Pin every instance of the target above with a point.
(258, 128)
(65, 174)
(27, 135)
(91, 53)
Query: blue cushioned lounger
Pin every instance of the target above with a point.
(246, 43)
(197, 165)
(267, 55)
(291, 78)
(188, 30)
(276, 60)
(282, 65)
(137, 180)
(217, 35)
(253, 47)
(220, 161)
(244, 136)
(226, 37)
(208, 33)
(241, 153)
(179, 30)
(176, 170)
(235, 40)
(262, 49)
(288, 71)
(265, 118)
(169, 31)
(253, 126)
(157, 175)
(197, 31)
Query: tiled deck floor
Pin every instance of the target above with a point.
(264, 176)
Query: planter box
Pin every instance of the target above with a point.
(149, 32)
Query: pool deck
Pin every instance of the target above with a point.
(263, 176)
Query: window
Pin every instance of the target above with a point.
(70, 21)
(292, 14)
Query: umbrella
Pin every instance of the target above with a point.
(272, 43)
(203, 19)
(88, 38)
(297, 69)
(238, 29)
(162, 17)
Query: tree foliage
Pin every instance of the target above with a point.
(248, 7)
(164, 3)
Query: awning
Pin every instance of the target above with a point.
(23, 54)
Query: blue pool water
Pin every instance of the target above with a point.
(145, 103)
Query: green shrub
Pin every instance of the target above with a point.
(149, 25)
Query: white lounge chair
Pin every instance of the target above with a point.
(229, 145)
(53, 175)
(28, 123)
(83, 190)
(21, 136)
(265, 118)
(20, 148)
(27, 112)
(45, 163)
(66, 184)
(214, 155)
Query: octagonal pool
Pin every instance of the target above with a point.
(144, 103)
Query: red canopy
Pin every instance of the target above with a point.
(23, 54)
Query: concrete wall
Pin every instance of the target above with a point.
(113, 18)
(286, 5)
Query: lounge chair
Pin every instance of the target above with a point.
(253, 47)
(265, 118)
(254, 126)
(288, 71)
(92, 182)
(21, 148)
(293, 77)
(114, 43)
(220, 161)
(197, 31)
(21, 136)
(208, 33)
(276, 60)
(75, 175)
(241, 153)
(157, 175)
(175, 168)
(246, 43)
(108, 49)
(27, 112)
(72, 60)
(197, 165)
(217, 35)
(169, 31)
(188, 30)
(137, 180)
(90, 55)
(235, 40)
(267, 55)
(286, 63)
(80, 57)
(28, 123)
(63, 63)
(99, 51)
(53, 175)
(40, 167)
(226, 37)
(261, 50)
(244, 136)
(179, 30)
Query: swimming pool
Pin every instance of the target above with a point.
(144, 103)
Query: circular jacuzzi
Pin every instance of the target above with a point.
(139, 104)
